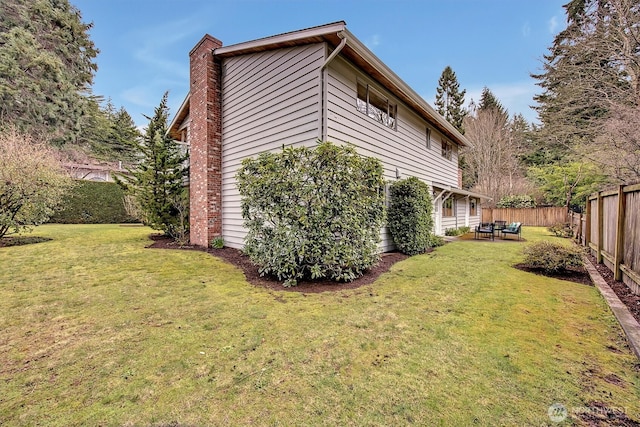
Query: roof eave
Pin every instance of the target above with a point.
(405, 90)
(294, 37)
(183, 111)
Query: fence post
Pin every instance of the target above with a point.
(587, 225)
(600, 242)
(619, 250)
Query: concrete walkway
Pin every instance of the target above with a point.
(629, 324)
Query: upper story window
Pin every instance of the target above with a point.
(447, 150)
(377, 106)
(428, 138)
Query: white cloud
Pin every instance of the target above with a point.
(553, 24)
(373, 41)
(526, 29)
(516, 97)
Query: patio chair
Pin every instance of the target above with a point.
(484, 229)
(514, 229)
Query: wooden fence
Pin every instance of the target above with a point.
(539, 217)
(612, 232)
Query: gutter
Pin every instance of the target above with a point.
(323, 85)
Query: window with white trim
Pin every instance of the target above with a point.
(428, 138)
(448, 207)
(375, 105)
(447, 150)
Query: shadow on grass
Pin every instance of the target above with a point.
(22, 240)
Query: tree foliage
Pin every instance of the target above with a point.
(567, 184)
(312, 213)
(410, 216)
(591, 82)
(156, 182)
(108, 133)
(46, 67)
(450, 99)
(32, 181)
(492, 164)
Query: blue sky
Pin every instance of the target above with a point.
(144, 44)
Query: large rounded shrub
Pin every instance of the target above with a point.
(552, 257)
(312, 213)
(410, 216)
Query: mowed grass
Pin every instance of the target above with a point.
(95, 329)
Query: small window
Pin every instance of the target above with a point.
(428, 138)
(375, 105)
(448, 207)
(447, 150)
(473, 207)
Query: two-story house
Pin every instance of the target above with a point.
(293, 89)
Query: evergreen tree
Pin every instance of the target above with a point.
(46, 67)
(590, 100)
(157, 181)
(450, 100)
(489, 101)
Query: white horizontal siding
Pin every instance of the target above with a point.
(270, 99)
(403, 149)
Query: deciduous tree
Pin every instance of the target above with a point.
(32, 181)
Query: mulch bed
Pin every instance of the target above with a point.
(576, 275)
(21, 240)
(237, 258)
(623, 292)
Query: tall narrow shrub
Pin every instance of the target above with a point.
(156, 181)
(312, 213)
(410, 215)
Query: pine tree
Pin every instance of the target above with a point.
(489, 101)
(46, 67)
(157, 181)
(450, 100)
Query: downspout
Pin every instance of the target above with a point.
(323, 85)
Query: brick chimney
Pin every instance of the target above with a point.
(205, 135)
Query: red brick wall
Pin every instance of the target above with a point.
(205, 131)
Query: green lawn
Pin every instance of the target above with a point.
(97, 330)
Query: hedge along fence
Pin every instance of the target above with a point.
(312, 213)
(92, 202)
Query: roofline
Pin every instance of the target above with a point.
(325, 33)
(370, 57)
(460, 191)
(292, 36)
(179, 116)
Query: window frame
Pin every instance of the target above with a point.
(448, 211)
(428, 138)
(447, 149)
(386, 115)
(473, 206)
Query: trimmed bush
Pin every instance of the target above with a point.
(552, 257)
(312, 213)
(410, 215)
(92, 202)
(561, 230)
(517, 201)
(456, 231)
